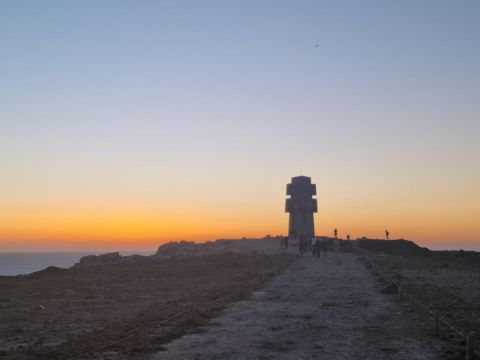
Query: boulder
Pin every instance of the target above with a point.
(98, 260)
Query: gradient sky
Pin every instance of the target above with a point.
(124, 124)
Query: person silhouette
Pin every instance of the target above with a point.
(335, 232)
(348, 237)
(387, 234)
(324, 247)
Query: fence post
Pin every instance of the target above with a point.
(470, 349)
(143, 337)
(437, 323)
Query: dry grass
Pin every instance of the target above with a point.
(445, 282)
(56, 313)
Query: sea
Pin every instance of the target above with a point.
(26, 263)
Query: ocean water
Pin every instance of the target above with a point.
(25, 263)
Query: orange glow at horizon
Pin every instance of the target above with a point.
(139, 213)
(116, 230)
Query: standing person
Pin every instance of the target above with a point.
(324, 247)
(348, 237)
(317, 248)
(335, 232)
(301, 244)
(387, 234)
(284, 244)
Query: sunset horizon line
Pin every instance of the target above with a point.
(147, 246)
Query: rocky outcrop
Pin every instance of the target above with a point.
(51, 270)
(393, 247)
(191, 248)
(98, 260)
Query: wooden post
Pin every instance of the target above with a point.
(143, 338)
(470, 349)
(437, 324)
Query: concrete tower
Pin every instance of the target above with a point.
(301, 207)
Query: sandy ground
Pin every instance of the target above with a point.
(318, 308)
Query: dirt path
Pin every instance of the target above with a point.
(323, 309)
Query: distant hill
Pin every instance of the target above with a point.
(393, 247)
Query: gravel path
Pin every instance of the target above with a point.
(317, 309)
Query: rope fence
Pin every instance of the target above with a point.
(143, 331)
(438, 320)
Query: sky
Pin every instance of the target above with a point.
(125, 124)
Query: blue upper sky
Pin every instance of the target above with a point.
(139, 93)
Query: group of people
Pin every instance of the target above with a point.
(321, 245)
(317, 245)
